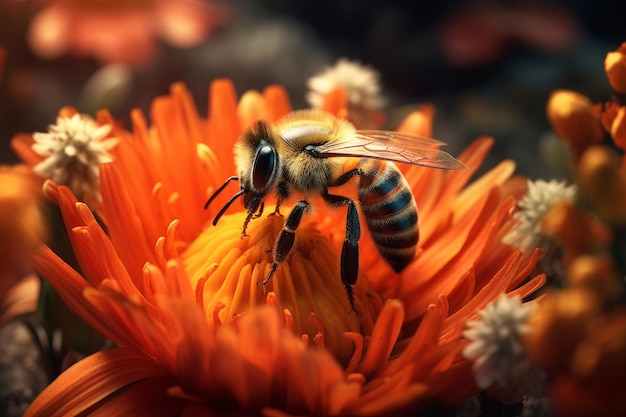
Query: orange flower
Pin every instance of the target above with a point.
(121, 30)
(197, 336)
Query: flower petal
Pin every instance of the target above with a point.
(108, 370)
(147, 397)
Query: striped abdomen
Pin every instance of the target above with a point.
(390, 212)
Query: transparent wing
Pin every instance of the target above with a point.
(391, 146)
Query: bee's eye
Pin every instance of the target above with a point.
(263, 167)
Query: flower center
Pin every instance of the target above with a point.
(228, 270)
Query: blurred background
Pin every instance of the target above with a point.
(488, 66)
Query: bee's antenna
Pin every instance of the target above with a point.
(228, 203)
(219, 190)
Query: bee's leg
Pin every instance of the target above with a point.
(282, 189)
(350, 250)
(255, 204)
(284, 241)
(245, 224)
(259, 212)
(345, 177)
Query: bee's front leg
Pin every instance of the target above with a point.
(284, 241)
(259, 212)
(255, 204)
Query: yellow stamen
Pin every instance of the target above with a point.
(307, 285)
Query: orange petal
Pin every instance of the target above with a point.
(98, 376)
(224, 127)
(336, 102)
(68, 283)
(426, 335)
(278, 103)
(251, 109)
(127, 232)
(383, 339)
(419, 122)
(22, 144)
(147, 398)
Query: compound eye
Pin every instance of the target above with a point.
(263, 167)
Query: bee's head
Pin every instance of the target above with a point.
(259, 167)
(258, 162)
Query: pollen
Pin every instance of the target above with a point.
(73, 150)
(227, 270)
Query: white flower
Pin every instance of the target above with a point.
(73, 150)
(496, 342)
(532, 208)
(360, 82)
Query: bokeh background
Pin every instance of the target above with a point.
(488, 66)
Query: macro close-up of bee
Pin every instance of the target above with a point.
(309, 151)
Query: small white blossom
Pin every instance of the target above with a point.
(496, 342)
(532, 208)
(73, 150)
(360, 82)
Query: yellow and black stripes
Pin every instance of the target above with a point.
(390, 212)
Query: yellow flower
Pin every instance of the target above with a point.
(196, 334)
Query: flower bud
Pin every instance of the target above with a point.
(575, 119)
(603, 180)
(615, 67)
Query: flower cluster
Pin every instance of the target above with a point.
(195, 334)
(578, 334)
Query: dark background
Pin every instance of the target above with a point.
(280, 41)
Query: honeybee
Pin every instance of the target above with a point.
(307, 152)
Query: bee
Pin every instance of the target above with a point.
(309, 151)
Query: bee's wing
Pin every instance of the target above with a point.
(391, 146)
